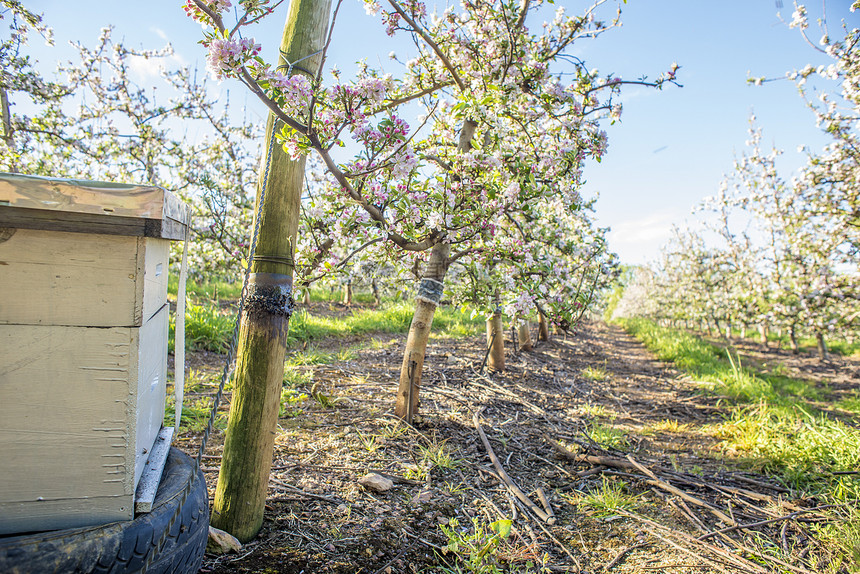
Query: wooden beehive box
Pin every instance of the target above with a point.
(83, 346)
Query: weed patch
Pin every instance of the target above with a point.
(488, 549)
(595, 373)
(606, 499)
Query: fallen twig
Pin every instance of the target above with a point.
(729, 557)
(764, 522)
(622, 554)
(655, 481)
(296, 490)
(758, 483)
(545, 503)
(720, 551)
(631, 464)
(711, 563)
(424, 542)
(512, 486)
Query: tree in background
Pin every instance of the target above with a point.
(94, 120)
(794, 264)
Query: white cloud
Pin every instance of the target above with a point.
(639, 240)
(146, 68)
(160, 33)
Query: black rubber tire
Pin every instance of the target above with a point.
(124, 547)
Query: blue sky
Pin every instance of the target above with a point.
(671, 147)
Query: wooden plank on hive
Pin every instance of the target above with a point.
(55, 278)
(82, 196)
(150, 364)
(151, 477)
(27, 202)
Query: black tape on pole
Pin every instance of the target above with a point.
(270, 293)
(430, 290)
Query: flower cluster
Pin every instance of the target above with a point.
(193, 11)
(226, 55)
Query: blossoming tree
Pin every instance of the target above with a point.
(500, 131)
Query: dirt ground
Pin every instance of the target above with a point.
(579, 422)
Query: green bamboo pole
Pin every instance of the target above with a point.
(240, 495)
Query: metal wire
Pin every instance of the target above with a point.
(290, 66)
(229, 362)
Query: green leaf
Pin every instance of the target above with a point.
(502, 527)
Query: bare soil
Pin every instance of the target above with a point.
(546, 417)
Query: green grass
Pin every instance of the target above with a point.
(291, 400)
(438, 455)
(606, 436)
(773, 426)
(195, 415)
(295, 376)
(195, 409)
(326, 294)
(390, 318)
(207, 327)
(487, 548)
(209, 291)
(595, 373)
(850, 404)
(606, 499)
(810, 345)
(666, 426)
(844, 348)
(801, 446)
(724, 372)
(319, 357)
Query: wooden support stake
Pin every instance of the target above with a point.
(240, 495)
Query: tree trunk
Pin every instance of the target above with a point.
(823, 354)
(307, 296)
(743, 331)
(762, 332)
(6, 121)
(429, 295)
(792, 338)
(496, 339)
(376, 299)
(524, 335)
(240, 494)
(419, 332)
(347, 293)
(543, 328)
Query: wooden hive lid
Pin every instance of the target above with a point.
(83, 206)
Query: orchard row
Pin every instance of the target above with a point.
(775, 254)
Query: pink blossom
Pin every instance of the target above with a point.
(227, 55)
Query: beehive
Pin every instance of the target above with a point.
(83, 346)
